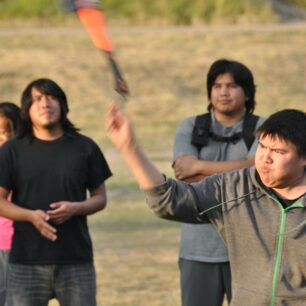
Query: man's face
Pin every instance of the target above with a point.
(227, 97)
(45, 111)
(278, 163)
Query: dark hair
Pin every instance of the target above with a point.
(289, 125)
(242, 76)
(11, 111)
(49, 87)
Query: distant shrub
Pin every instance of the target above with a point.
(301, 3)
(26, 8)
(170, 11)
(188, 12)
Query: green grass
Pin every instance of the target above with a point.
(301, 3)
(22, 8)
(135, 252)
(144, 11)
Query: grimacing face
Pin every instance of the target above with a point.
(278, 163)
(45, 111)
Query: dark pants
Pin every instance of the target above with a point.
(204, 284)
(4, 255)
(35, 285)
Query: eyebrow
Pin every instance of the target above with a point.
(227, 83)
(277, 148)
(259, 142)
(37, 95)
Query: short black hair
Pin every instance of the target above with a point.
(11, 111)
(49, 87)
(289, 125)
(242, 76)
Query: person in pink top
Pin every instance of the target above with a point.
(9, 125)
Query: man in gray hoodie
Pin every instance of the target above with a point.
(260, 212)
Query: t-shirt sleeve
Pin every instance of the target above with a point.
(6, 165)
(182, 141)
(98, 169)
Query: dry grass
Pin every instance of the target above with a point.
(136, 253)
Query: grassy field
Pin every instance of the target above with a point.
(144, 11)
(136, 253)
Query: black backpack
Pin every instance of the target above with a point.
(201, 131)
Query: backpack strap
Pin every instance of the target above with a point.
(249, 128)
(201, 131)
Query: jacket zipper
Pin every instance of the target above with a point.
(277, 262)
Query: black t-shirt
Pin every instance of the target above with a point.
(43, 172)
(284, 202)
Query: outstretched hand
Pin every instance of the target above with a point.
(119, 128)
(120, 131)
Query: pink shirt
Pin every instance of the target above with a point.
(6, 233)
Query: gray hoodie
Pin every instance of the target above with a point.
(266, 243)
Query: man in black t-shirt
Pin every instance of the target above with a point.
(49, 168)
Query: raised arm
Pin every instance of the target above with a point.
(120, 131)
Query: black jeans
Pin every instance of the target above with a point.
(35, 285)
